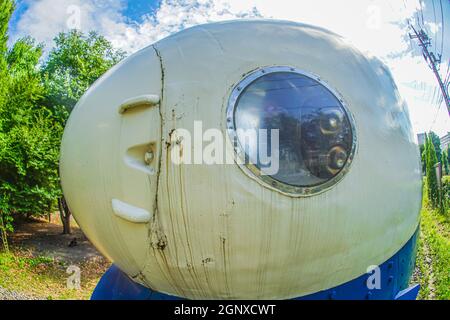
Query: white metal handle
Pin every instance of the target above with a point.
(130, 213)
(148, 100)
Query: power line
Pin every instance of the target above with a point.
(421, 12)
(443, 28)
(430, 58)
(447, 77)
(435, 116)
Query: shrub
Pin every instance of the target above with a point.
(432, 183)
(446, 191)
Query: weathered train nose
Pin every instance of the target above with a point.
(109, 159)
(236, 230)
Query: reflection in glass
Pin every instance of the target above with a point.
(315, 137)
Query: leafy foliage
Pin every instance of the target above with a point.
(436, 144)
(432, 183)
(446, 189)
(6, 10)
(29, 137)
(445, 167)
(423, 157)
(34, 105)
(74, 64)
(448, 153)
(29, 166)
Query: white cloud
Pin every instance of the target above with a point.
(44, 19)
(171, 17)
(375, 26)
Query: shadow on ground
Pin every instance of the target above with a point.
(45, 238)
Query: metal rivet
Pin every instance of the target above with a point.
(148, 157)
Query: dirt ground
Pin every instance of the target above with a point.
(44, 238)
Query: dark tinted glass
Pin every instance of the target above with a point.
(315, 136)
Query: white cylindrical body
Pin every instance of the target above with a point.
(215, 231)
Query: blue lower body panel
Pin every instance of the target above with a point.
(390, 281)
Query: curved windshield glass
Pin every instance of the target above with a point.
(314, 130)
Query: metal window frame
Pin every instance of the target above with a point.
(251, 169)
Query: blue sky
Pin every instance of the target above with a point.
(377, 27)
(136, 9)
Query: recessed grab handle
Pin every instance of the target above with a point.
(148, 100)
(130, 213)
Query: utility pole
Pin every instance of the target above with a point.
(430, 58)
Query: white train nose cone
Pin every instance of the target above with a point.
(347, 194)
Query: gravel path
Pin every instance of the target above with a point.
(13, 295)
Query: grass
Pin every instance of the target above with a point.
(43, 277)
(433, 260)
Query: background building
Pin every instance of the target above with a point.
(421, 138)
(445, 141)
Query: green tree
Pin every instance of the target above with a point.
(432, 183)
(445, 167)
(437, 144)
(423, 157)
(34, 105)
(73, 65)
(6, 10)
(29, 136)
(448, 153)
